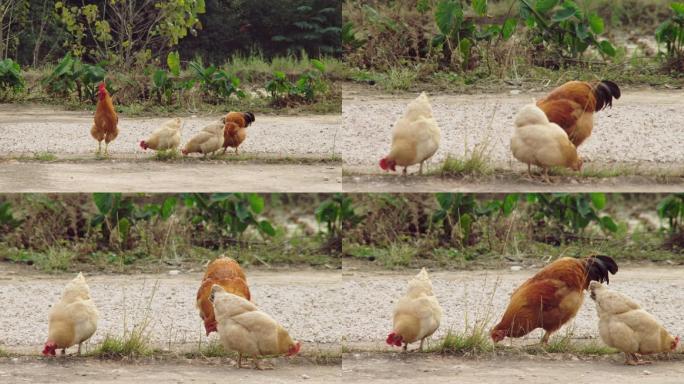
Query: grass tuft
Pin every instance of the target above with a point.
(44, 156)
(131, 345)
(472, 342)
(169, 154)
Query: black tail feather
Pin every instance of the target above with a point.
(604, 92)
(249, 117)
(598, 267)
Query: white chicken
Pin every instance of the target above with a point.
(417, 314)
(73, 319)
(537, 141)
(207, 141)
(243, 328)
(415, 138)
(166, 137)
(624, 325)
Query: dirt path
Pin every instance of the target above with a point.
(643, 131)
(301, 301)
(471, 296)
(436, 369)
(190, 371)
(150, 176)
(510, 184)
(31, 128)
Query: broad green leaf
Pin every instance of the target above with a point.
(241, 211)
(564, 14)
(267, 228)
(173, 61)
(598, 199)
(123, 227)
(609, 224)
(510, 202)
(480, 7)
(168, 206)
(256, 202)
(508, 28)
(607, 48)
(445, 200)
(448, 16)
(103, 202)
(596, 24)
(543, 6)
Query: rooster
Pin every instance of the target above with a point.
(106, 120)
(417, 314)
(227, 273)
(168, 136)
(552, 297)
(73, 319)
(624, 325)
(235, 132)
(572, 106)
(415, 138)
(539, 142)
(245, 329)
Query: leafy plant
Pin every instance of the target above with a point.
(571, 212)
(217, 82)
(166, 83)
(672, 209)
(671, 33)
(337, 212)
(10, 77)
(457, 214)
(309, 84)
(459, 36)
(279, 87)
(562, 26)
(73, 75)
(229, 213)
(7, 219)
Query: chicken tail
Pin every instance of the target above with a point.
(604, 92)
(598, 267)
(249, 118)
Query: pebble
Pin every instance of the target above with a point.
(305, 376)
(516, 268)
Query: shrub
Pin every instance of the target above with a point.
(10, 77)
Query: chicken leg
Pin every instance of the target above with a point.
(79, 349)
(420, 348)
(236, 151)
(545, 338)
(259, 366)
(106, 152)
(420, 171)
(239, 362)
(99, 147)
(405, 171)
(634, 360)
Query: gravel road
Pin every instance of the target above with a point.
(434, 369)
(300, 301)
(644, 127)
(470, 296)
(31, 128)
(191, 371)
(153, 176)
